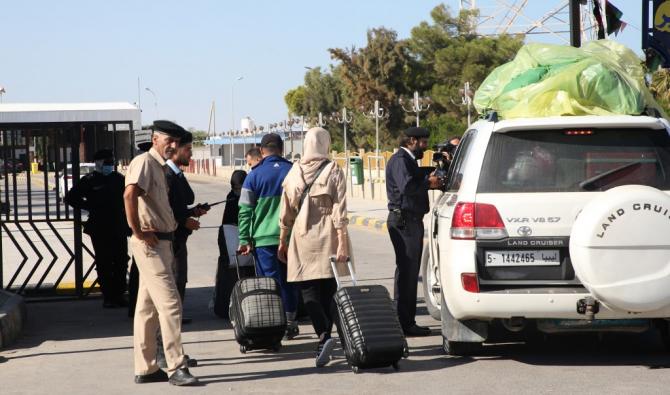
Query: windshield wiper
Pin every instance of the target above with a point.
(599, 181)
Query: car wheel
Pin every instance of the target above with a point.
(430, 280)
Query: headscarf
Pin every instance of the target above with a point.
(237, 178)
(316, 147)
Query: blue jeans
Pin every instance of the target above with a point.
(267, 264)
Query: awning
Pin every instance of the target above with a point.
(69, 112)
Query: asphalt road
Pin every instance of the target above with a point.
(77, 347)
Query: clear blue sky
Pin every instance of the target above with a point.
(190, 52)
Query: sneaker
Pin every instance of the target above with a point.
(292, 330)
(324, 351)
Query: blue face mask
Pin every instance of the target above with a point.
(107, 170)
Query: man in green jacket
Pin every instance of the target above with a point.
(259, 222)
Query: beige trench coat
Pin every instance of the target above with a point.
(313, 237)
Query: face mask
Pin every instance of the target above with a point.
(418, 153)
(107, 170)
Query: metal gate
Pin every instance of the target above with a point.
(43, 253)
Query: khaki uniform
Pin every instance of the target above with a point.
(158, 302)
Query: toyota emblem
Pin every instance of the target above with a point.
(524, 231)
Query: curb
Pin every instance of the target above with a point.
(375, 224)
(12, 317)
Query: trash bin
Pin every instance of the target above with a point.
(34, 167)
(356, 164)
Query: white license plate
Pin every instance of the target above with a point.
(523, 258)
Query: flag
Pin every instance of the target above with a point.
(612, 22)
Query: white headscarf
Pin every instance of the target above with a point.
(316, 147)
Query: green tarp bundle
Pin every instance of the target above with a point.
(600, 78)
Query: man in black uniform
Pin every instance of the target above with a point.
(101, 194)
(407, 189)
(181, 196)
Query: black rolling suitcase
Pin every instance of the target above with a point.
(369, 329)
(257, 313)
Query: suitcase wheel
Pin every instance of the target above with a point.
(243, 349)
(395, 366)
(405, 352)
(354, 369)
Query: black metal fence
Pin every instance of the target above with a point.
(42, 252)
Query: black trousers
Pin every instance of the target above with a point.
(111, 263)
(318, 298)
(181, 261)
(406, 232)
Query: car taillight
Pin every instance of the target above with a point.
(470, 282)
(477, 221)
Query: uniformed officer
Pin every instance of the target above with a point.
(152, 222)
(407, 189)
(181, 196)
(101, 194)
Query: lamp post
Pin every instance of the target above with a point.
(345, 119)
(155, 100)
(466, 98)
(419, 104)
(2, 92)
(376, 113)
(232, 115)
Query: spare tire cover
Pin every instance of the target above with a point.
(620, 248)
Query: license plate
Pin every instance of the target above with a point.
(523, 258)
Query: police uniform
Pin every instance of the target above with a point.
(158, 302)
(181, 196)
(102, 196)
(407, 189)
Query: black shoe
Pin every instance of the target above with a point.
(158, 376)
(417, 331)
(191, 362)
(182, 377)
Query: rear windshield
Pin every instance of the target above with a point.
(575, 160)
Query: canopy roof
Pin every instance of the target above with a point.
(69, 112)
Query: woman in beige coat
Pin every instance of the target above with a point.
(317, 227)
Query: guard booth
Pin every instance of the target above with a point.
(42, 251)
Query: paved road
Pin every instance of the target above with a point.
(77, 347)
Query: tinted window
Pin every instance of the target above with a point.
(572, 161)
(458, 164)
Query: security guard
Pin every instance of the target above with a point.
(407, 188)
(152, 222)
(101, 194)
(181, 196)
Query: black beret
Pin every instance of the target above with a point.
(416, 132)
(187, 138)
(272, 140)
(169, 128)
(144, 147)
(103, 154)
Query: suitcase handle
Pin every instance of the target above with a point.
(237, 265)
(349, 266)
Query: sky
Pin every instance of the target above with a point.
(191, 53)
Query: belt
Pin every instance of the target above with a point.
(169, 236)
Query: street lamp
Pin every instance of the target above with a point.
(376, 113)
(232, 114)
(466, 98)
(155, 100)
(419, 104)
(345, 119)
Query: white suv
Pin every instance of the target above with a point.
(539, 227)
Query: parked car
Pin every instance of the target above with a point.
(539, 229)
(84, 168)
